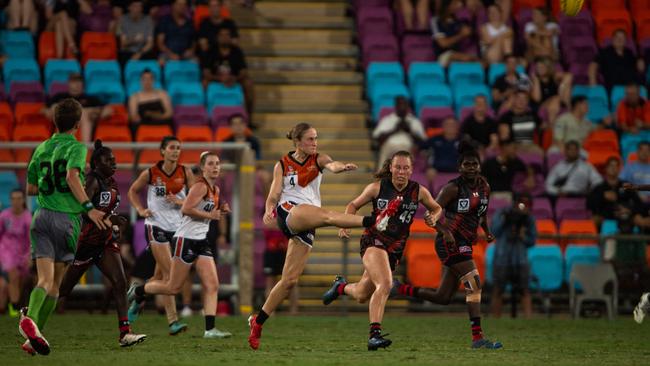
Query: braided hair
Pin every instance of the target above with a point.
(100, 150)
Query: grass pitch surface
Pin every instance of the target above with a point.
(81, 339)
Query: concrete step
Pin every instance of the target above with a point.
(332, 93)
(255, 48)
(307, 77)
(305, 63)
(286, 121)
(296, 9)
(318, 105)
(317, 37)
(252, 19)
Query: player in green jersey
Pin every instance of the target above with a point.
(55, 175)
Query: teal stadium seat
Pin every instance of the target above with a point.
(186, 93)
(102, 70)
(629, 143)
(59, 71)
(8, 182)
(134, 68)
(383, 73)
(546, 267)
(466, 73)
(20, 70)
(598, 101)
(176, 71)
(429, 73)
(432, 95)
(489, 263)
(464, 96)
(17, 44)
(609, 227)
(384, 96)
(220, 95)
(583, 254)
(110, 92)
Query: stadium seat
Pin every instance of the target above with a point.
(602, 139)
(428, 95)
(221, 115)
(546, 267)
(221, 95)
(584, 254)
(609, 227)
(119, 117)
(598, 101)
(59, 71)
(383, 73)
(8, 182)
(115, 133)
(379, 47)
(28, 133)
(638, 6)
(102, 70)
(598, 158)
(98, 46)
(177, 71)
(200, 12)
(110, 92)
(26, 92)
(610, 20)
(384, 96)
(374, 20)
(20, 70)
(546, 228)
(578, 227)
(497, 69)
(192, 115)
(618, 93)
(642, 23)
(432, 117)
(56, 88)
(542, 209)
(134, 68)
(193, 134)
(430, 73)
(489, 263)
(146, 133)
(17, 44)
(186, 93)
(416, 48)
(423, 266)
(466, 73)
(6, 117)
(571, 208)
(629, 143)
(464, 95)
(30, 114)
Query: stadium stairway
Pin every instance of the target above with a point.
(304, 64)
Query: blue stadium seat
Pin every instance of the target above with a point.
(8, 182)
(497, 69)
(384, 96)
(427, 73)
(576, 253)
(59, 71)
(428, 95)
(546, 267)
(17, 44)
(383, 73)
(221, 95)
(464, 96)
(186, 93)
(110, 92)
(102, 70)
(181, 71)
(20, 70)
(598, 101)
(134, 68)
(489, 263)
(629, 143)
(618, 93)
(609, 227)
(463, 73)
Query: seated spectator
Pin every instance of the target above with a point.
(421, 14)
(521, 123)
(638, 172)
(479, 126)
(550, 89)
(211, 26)
(238, 127)
(572, 176)
(605, 199)
(630, 110)
(496, 36)
(443, 149)
(616, 63)
(226, 64)
(541, 36)
(175, 34)
(64, 22)
(21, 14)
(573, 125)
(400, 130)
(506, 85)
(150, 106)
(93, 108)
(135, 32)
(448, 34)
(97, 17)
(500, 170)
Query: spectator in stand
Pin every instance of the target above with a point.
(499, 171)
(150, 106)
(443, 149)
(135, 32)
(630, 111)
(93, 108)
(573, 125)
(175, 34)
(616, 63)
(479, 126)
(211, 26)
(64, 22)
(550, 89)
(226, 64)
(238, 127)
(21, 14)
(496, 36)
(521, 123)
(541, 36)
(572, 177)
(400, 130)
(448, 34)
(506, 85)
(421, 10)
(605, 199)
(638, 172)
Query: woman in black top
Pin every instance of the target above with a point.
(550, 89)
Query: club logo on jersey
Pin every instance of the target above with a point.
(463, 205)
(105, 199)
(382, 203)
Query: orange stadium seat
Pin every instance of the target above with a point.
(419, 226)
(109, 133)
(574, 227)
(642, 23)
(424, 268)
(604, 6)
(47, 48)
(151, 134)
(598, 158)
(602, 140)
(637, 6)
(609, 21)
(6, 117)
(24, 132)
(200, 12)
(193, 134)
(120, 116)
(223, 133)
(98, 46)
(30, 114)
(546, 227)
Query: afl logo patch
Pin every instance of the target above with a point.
(104, 199)
(463, 205)
(382, 203)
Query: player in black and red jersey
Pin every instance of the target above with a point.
(382, 250)
(98, 246)
(465, 201)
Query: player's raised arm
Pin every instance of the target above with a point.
(333, 166)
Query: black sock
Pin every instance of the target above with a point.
(375, 329)
(15, 306)
(139, 294)
(209, 322)
(261, 317)
(369, 221)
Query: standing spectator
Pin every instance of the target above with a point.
(616, 63)
(443, 149)
(21, 14)
(521, 123)
(496, 36)
(550, 89)
(15, 257)
(135, 32)
(400, 130)
(572, 176)
(638, 172)
(573, 125)
(500, 170)
(506, 85)
(515, 232)
(150, 106)
(448, 34)
(175, 34)
(541, 36)
(238, 127)
(421, 13)
(211, 26)
(605, 199)
(479, 126)
(226, 64)
(630, 110)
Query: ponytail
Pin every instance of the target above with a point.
(384, 172)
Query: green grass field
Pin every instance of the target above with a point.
(82, 339)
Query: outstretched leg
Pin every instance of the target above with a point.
(307, 217)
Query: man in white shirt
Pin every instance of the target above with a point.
(399, 130)
(572, 176)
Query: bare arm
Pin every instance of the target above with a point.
(274, 194)
(371, 191)
(448, 193)
(197, 192)
(134, 194)
(167, 106)
(133, 109)
(74, 183)
(335, 167)
(433, 208)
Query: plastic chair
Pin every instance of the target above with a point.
(102, 70)
(593, 279)
(599, 158)
(6, 117)
(489, 263)
(180, 70)
(120, 116)
(430, 95)
(186, 93)
(424, 268)
(26, 91)
(193, 134)
(546, 227)
(374, 20)
(379, 47)
(464, 95)
(466, 73)
(134, 68)
(638, 6)
(608, 21)
(602, 140)
(20, 70)
(565, 207)
(433, 116)
(194, 115)
(148, 133)
(546, 272)
(59, 71)
(384, 96)
(17, 44)
(583, 254)
(98, 46)
(542, 209)
(31, 133)
(110, 92)
(584, 227)
(115, 133)
(221, 115)
(383, 73)
(200, 12)
(30, 114)
(609, 227)
(430, 73)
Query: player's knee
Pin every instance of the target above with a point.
(211, 288)
(289, 283)
(472, 283)
(175, 289)
(383, 287)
